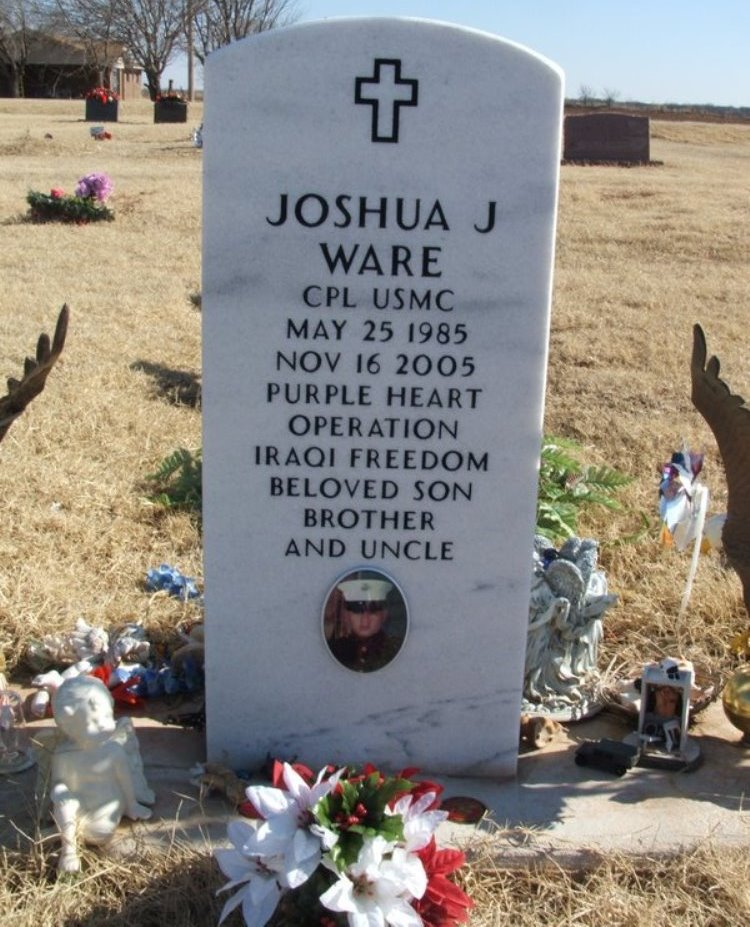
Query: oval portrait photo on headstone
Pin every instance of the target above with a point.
(365, 620)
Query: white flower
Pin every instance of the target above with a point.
(289, 829)
(419, 823)
(264, 879)
(376, 890)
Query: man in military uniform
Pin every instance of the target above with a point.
(364, 646)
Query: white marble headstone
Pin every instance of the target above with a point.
(380, 202)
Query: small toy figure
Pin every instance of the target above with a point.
(97, 773)
(538, 731)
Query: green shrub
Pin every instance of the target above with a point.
(178, 482)
(566, 485)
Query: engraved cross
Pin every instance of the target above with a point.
(386, 92)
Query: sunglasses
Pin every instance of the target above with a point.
(359, 607)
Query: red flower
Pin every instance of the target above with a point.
(443, 904)
(56, 193)
(419, 788)
(277, 773)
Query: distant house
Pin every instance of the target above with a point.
(58, 66)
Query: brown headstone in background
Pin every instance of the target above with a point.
(607, 137)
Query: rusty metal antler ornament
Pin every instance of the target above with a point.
(729, 419)
(35, 372)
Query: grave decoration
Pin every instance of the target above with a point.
(348, 846)
(664, 697)
(728, 417)
(683, 502)
(569, 597)
(122, 657)
(662, 737)
(170, 107)
(129, 672)
(735, 699)
(16, 754)
(677, 493)
(171, 580)
(610, 755)
(35, 372)
(378, 244)
(102, 105)
(86, 204)
(97, 773)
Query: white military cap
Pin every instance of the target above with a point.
(365, 590)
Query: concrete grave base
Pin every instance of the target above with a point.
(554, 812)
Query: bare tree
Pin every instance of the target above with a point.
(18, 18)
(150, 30)
(219, 22)
(611, 96)
(585, 94)
(92, 23)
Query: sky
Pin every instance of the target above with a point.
(651, 51)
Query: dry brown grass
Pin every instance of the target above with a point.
(642, 254)
(77, 529)
(700, 889)
(176, 889)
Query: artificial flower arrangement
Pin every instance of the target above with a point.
(102, 94)
(86, 204)
(347, 847)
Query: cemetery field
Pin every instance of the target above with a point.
(642, 254)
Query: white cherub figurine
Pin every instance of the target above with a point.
(97, 772)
